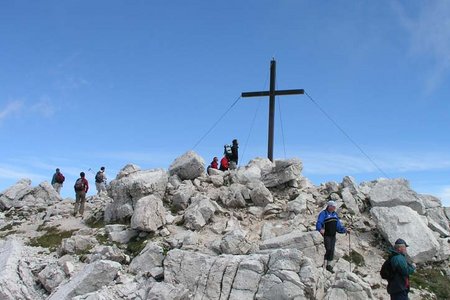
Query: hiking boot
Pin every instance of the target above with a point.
(329, 269)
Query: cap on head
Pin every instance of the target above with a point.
(102, 168)
(401, 242)
(331, 203)
(82, 174)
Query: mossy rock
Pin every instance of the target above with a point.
(433, 280)
(355, 258)
(51, 239)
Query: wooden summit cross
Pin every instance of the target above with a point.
(272, 93)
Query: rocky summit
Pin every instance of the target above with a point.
(243, 234)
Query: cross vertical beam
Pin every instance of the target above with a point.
(272, 93)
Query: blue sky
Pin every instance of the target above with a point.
(85, 84)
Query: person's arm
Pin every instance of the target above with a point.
(320, 220)
(340, 228)
(86, 184)
(54, 178)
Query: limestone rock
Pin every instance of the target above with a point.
(283, 172)
(188, 166)
(77, 244)
(349, 286)
(394, 192)
(90, 279)
(127, 190)
(13, 280)
(298, 205)
(51, 276)
(166, 291)
(403, 222)
(198, 213)
(232, 196)
(349, 201)
(235, 242)
(260, 195)
(149, 258)
(15, 192)
(149, 214)
(180, 199)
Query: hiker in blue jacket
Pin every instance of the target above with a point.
(398, 286)
(328, 224)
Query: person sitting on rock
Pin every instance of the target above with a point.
(224, 164)
(398, 284)
(328, 224)
(214, 164)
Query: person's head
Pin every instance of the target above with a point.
(57, 170)
(215, 158)
(400, 246)
(235, 142)
(331, 205)
(102, 169)
(82, 174)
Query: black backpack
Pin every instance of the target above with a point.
(99, 177)
(387, 272)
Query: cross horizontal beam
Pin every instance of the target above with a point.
(276, 93)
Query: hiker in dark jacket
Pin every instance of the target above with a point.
(58, 180)
(234, 155)
(100, 181)
(398, 286)
(81, 187)
(328, 224)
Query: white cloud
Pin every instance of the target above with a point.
(14, 173)
(11, 108)
(327, 163)
(43, 107)
(430, 36)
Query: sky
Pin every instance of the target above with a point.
(85, 84)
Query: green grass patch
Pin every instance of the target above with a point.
(136, 245)
(51, 239)
(355, 258)
(102, 239)
(432, 280)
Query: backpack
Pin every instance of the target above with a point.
(387, 272)
(60, 178)
(79, 185)
(99, 177)
(227, 151)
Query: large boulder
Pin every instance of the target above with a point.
(150, 257)
(129, 187)
(149, 214)
(233, 196)
(235, 242)
(260, 195)
(394, 192)
(14, 192)
(198, 213)
(403, 222)
(349, 286)
(93, 277)
(252, 171)
(283, 172)
(166, 291)
(16, 280)
(188, 166)
(51, 276)
(273, 275)
(180, 199)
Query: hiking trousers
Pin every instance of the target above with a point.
(101, 187)
(403, 295)
(80, 200)
(57, 186)
(329, 242)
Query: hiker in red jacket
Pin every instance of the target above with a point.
(214, 164)
(81, 187)
(224, 164)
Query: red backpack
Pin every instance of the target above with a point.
(60, 178)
